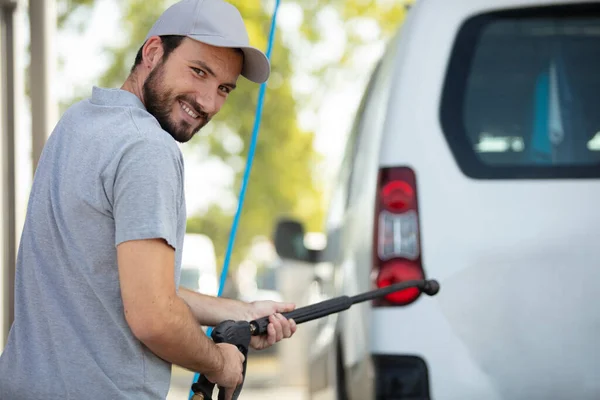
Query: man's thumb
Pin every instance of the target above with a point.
(285, 307)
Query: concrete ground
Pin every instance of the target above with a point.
(261, 382)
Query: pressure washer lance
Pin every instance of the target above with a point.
(239, 333)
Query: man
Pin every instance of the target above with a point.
(98, 311)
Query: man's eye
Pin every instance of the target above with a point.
(199, 71)
(225, 89)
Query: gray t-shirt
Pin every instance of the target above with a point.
(108, 174)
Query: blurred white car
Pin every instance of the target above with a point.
(474, 159)
(199, 264)
(255, 286)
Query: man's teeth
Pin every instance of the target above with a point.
(189, 111)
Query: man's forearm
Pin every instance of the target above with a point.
(179, 339)
(210, 310)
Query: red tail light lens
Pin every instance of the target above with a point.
(399, 271)
(396, 251)
(397, 196)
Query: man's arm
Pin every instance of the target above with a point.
(146, 192)
(211, 311)
(157, 316)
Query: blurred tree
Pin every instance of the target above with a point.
(363, 24)
(386, 14)
(283, 178)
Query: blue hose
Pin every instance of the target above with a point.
(251, 150)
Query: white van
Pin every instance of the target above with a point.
(199, 264)
(474, 160)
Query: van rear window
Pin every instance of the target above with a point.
(521, 98)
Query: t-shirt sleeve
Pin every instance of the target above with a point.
(147, 193)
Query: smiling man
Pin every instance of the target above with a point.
(189, 66)
(99, 313)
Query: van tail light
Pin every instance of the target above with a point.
(397, 249)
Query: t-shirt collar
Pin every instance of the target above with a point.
(115, 97)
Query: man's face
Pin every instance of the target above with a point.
(187, 89)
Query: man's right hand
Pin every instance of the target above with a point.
(232, 373)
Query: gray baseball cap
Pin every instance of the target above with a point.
(217, 23)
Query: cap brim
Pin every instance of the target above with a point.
(256, 66)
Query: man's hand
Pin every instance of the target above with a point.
(279, 327)
(231, 375)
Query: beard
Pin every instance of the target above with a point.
(160, 102)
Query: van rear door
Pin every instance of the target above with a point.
(520, 112)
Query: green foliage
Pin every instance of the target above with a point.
(67, 8)
(387, 14)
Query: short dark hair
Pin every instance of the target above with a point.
(169, 43)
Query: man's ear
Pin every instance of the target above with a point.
(152, 52)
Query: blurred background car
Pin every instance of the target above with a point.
(199, 264)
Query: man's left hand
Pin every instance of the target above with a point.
(279, 327)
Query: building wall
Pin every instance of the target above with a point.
(8, 111)
(15, 138)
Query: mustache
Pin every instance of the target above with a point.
(196, 107)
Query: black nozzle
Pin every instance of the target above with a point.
(431, 287)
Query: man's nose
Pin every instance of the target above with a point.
(208, 102)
